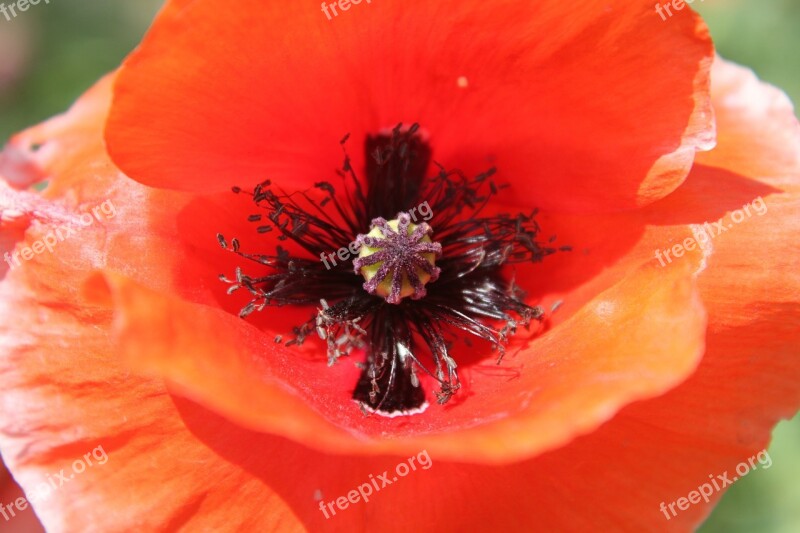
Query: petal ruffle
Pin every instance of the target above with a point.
(569, 107)
(569, 380)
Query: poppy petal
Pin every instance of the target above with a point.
(564, 104)
(564, 389)
(83, 436)
(662, 449)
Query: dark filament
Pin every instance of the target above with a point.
(471, 295)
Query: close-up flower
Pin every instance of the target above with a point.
(383, 265)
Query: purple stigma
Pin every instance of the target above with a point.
(397, 258)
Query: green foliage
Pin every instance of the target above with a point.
(761, 35)
(68, 45)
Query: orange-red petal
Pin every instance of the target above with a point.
(573, 105)
(635, 340)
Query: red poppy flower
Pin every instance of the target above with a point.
(651, 375)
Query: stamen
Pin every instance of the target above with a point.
(403, 340)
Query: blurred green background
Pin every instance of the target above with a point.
(52, 53)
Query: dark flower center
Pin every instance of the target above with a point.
(415, 298)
